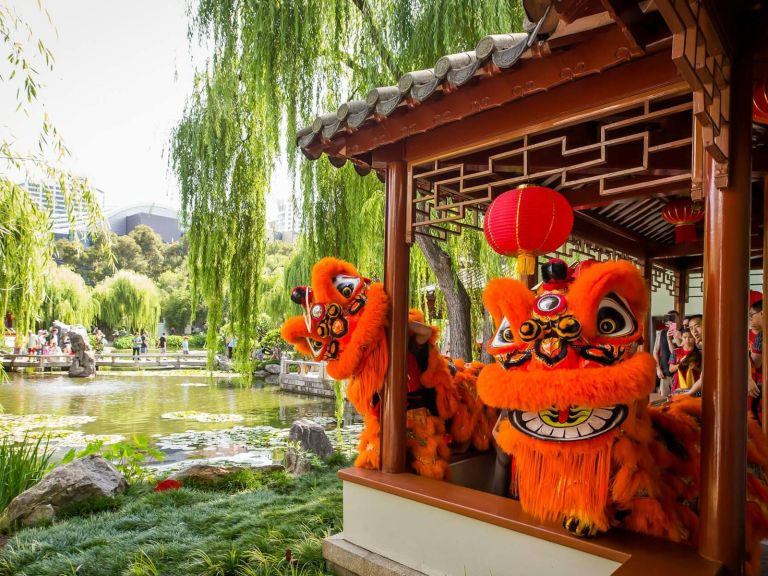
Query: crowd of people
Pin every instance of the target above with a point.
(679, 348)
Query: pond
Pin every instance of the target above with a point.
(189, 416)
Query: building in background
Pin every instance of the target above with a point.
(50, 197)
(162, 219)
(284, 226)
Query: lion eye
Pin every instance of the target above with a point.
(503, 335)
(346, 285)
(614, 317)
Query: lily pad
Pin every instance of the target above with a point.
(202, 416)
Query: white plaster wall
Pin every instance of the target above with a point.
(441, 543)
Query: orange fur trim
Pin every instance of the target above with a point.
(294, 331)
(533, 390)
(416, 315)
(586, 292)
(510, 298)
(369, 379)
(542, 466)
(427, 450)
(438, 376)
(323, 273)
(369, 446)
(369, 330)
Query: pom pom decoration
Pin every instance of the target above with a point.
(684, 214)
(760, 102)
(527, 222)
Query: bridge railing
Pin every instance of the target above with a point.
(303, 368)
(42, 361)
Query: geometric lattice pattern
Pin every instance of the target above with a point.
(446, 195)
(665, 278)
(699, 56)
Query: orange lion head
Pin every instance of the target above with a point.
(343, 319)
(567, 363)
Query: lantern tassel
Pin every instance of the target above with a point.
(526, 264)
(685, 233)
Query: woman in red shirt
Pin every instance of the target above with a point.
(685, 363)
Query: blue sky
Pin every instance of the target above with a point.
(122, 73)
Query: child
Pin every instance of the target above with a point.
(685, 363)
(185, 345)
(754, 397)
(136, 345)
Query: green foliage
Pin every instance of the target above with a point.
(128, 456)
(275, 66)
(279, 482)
(128, 300)
(22, 465)
(123, 343)
(67, 298)
(272, 339)
(167, 533)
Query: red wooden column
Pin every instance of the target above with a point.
(726, 270)
(648, 332)
(765, 291)
(396, 267)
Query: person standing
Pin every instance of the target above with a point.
(685, 363)
(662, 351)
(32, 343)
(230, 346)
(144, 342)
(163, 343)
(185, 345)
(136, 345)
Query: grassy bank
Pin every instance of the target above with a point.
(243, 528)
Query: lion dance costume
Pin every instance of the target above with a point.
(344, 320)
(587, 448)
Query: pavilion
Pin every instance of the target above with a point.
(622, 106)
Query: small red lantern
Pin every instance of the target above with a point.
(760, 102)
(684, 214)
(527, 222)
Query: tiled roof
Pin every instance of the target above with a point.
(448, 74)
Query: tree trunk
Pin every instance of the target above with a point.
(456, 298)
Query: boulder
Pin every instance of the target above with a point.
(260, 373)
(272, 368)
(272, 379)
(312, 437)
(222, 363)
(83, 361)
(80, 480)
(212, 474)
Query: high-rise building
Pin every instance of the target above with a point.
(50, 197)
(284, 225)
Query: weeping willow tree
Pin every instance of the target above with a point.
(26, 239)
(67, 298)
(273, 67)
(127, 300)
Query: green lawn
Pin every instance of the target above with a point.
(242, 529)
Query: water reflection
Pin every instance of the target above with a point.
(128, 405)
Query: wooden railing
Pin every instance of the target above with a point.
(114, 360)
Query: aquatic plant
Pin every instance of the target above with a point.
(202, 416)
(22, 465)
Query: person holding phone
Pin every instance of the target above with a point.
(662, 351)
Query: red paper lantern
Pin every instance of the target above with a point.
(684, 214)
(527, 222)
(760, 102)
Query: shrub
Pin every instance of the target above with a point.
(173, 342)
(197, 341)
(123, 343)
(22, 465)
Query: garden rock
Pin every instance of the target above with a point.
(222, 363)
(272, 368)
(79, 481)
(83, 362)
(312, 437)
(272, 379)
(212, 474)
(260, 373)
